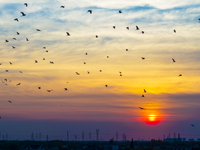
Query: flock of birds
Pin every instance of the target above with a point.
(68, 34)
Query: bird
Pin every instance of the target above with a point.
(6, 80)
(84, 63)
(62, 6)
(65, 89)
(17, 33)
(113, 27)
(137, 28)
(192, 125)
(6, 41)
(142, 95)
(120, 73)
(47, 51)
(126, 49)
(20, 72)
(142, 58)
(51, 62)
(10, 63)
(49, 90)
(174, 31)
(100, 70)
(38, 30)
(13, 47)
(88, 72)
(77, 73)
(39, 87)
(6, 70)
(85, 53)
(173, 60)
(67, 33)
(23, 14)
(199, 20)
(96, 36)
(16, 19)
(27, 39)
(145, 91)
(36, 61)
(127, 28)
(90, 11)
(141, 108)
(14, 39)
(106, 85)
(43, 58)
(18, 84)
(107, 56)
(26, 4)
(120, 11)
(44, 47)
(0, 63)
(9, 101)
(180, 75)
(142, 32)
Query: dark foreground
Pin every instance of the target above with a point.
(98, 145)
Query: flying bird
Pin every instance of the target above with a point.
(6, 80)
(180, 75)
(17, 33)
(145, 91)
(27, 39)
(88, 72)
(84, 62)
(106, 85)
(39, 87)
(13, 47)
(192, 125)
(126, 49)
(10, 63)
(68, 34)
(90, 11)
(141, 108)
(107, 56)
(100, 70)
(18, 84)
(77, 73)
(38, 30)
(14, 39)
(26, 4)
(6, 41)
(20, 72)
(85, 53)
(43, 58)
(16, 19)
(6, 70)
(51, 62)
(127, 28)
(23, 14)
(174, 31)
(62, 6)
(65, 89)
(49, 90)
(113, 27)
(36, 61)
(96, 36)
(173, 60)
(120, 11)
(47, 51)
(44, 47)
(142, 32)
(142, 95)
(9, 101)
(137, 28)
(142, 58)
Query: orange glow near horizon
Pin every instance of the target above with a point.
(151, 119)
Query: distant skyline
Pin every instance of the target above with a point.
(133, 82)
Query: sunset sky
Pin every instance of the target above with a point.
(171, 102)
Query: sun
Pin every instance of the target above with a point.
(151, 119)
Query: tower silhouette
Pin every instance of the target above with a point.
(89, 136)
(67, 135)
(116, 136)
(82, 136)
(97, 132)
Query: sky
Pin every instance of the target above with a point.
(171, 102)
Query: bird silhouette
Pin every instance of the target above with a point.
(51, 62)
(143, 58)
(145, 91)
(44, 47)
(100, 70)
(120, 11)
(38, 30)
(106, 85)
(9, 101)
(16, 19)
(14, 39)
(142, 32)
(67, 33)
(77, 73)
(17, 33)
(36, 61)
(126, 49)
(96, 36)
(142, 95)
(88, 72)
(90, 11)
(180, 75)
(20, 72)
(137, 28)
(6, 70)
(84, 63)
(47, 51)
(85, 53)
(39, 87)
(107, 56)
(174, 31)
(192, 125)
(18, 84)
(173, 60)
(127, 28)
(141, 108)
(62, 6)
(43, 58)
(113, 27)
(10, 63)
(65, 89)
(6, 41)
(13, 47)
(49, 90)
(23, 14)
(27, 39)
(26, 4)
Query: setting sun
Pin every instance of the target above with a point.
(152, 117)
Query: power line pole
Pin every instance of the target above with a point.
(89, 136)
(67, 135)
(97, 132)
(116, 136)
